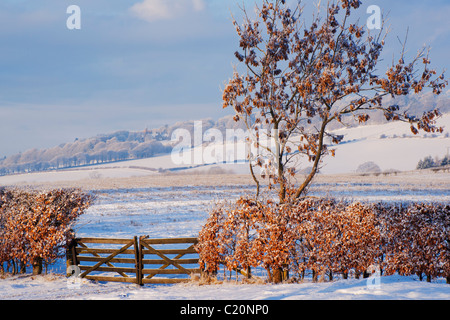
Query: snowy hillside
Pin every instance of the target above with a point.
(390, 146)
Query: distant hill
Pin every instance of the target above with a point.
(128, 145)
(104, 148)
(414, 104)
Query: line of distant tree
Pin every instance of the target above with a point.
(119, 146)
(429, 162)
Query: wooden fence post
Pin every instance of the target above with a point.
(138, 260)
(71, 254)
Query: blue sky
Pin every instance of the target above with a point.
(141, 63)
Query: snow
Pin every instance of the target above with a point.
(390, 146)
(399, 149)
(134, 199)
(180, 211)
(55, 287)
(72, 175)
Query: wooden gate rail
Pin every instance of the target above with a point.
(80, 252)
(146, 247)
(129, 261)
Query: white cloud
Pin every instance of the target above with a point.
(154, 10)
(199, 5)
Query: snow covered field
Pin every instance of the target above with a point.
(54, 287)
(180, 211)
(133, 198)
(391, 146)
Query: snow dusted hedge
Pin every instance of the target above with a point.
(35, 225)
(326, 236)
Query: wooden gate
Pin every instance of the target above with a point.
(167, 254)
(126, 260)
(111, 257)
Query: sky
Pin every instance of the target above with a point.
(137, 64)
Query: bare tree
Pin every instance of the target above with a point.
(298, 79)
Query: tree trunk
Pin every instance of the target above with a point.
(248, 272)
(23, 267)
(280, 166)
(254, 179)
(314, 275)
(280, 275)
(14, 270)
(315, 168)
(37, 266)
(269, 274)
(277, 275)
(286, 273)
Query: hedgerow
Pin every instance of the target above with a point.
(327, 237)
(35, 225)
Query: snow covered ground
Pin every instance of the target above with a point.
(391, 146)
(55, 287)
(180, 211)
(134, 199)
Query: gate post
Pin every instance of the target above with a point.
(138, 259)
(71, 254)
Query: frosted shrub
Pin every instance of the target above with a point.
(35, 225)
(326, 236)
